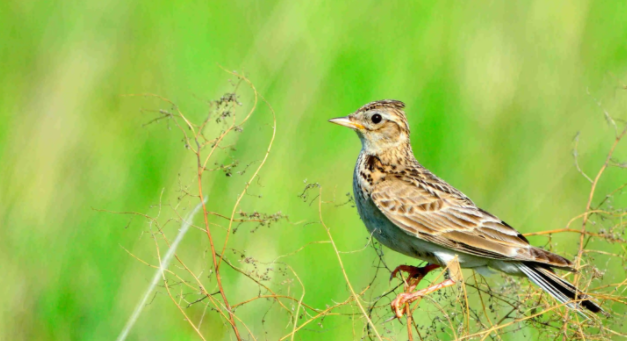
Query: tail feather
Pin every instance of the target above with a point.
(557, 287)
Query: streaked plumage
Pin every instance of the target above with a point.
(412, 211)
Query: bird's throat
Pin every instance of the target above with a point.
(399, 155)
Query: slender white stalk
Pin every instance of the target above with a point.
(159, 273)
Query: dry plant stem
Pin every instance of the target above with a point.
(167, 287)
(274, 295)
(611, 194)
(457, 268)
(180, 114)
(568, 229)
(443, 311)
(198, 282)
(299, 249)
(575, 155)
(325, 312)
(181, 280)
(591, 196)
(499, 326)
(239, 198)
(410, 336)
(485, 312)
(300, 303)
(160, 272)
(583, 233)
(339, 258)
(233, 125)
(213, 251)
(587, 214)
(201, 167)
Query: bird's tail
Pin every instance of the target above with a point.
(557, 287)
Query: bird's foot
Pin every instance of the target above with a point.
(402, 299)
(416, 274)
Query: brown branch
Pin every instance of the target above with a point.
(213, 251)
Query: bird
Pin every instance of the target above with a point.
(410, 210)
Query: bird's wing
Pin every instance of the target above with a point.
(438, 213)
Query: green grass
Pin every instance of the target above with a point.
(495, 93)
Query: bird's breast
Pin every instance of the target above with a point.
(383, 230)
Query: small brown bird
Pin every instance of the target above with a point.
(412, 211)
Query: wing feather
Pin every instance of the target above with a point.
(436, 212)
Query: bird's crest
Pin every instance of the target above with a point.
(384, 103)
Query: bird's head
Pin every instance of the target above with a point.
(380, 125)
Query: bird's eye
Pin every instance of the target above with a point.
(376, 118)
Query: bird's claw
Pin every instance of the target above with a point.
(412, 271)
(398, 305)
(394, 317)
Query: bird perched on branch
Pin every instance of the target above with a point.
(410, 210)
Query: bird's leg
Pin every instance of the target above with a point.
(416, 274)
(406, 297)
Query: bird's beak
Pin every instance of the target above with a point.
(346, 122)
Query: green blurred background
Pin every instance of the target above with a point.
(495, 93)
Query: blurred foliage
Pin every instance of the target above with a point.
(495, 94)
